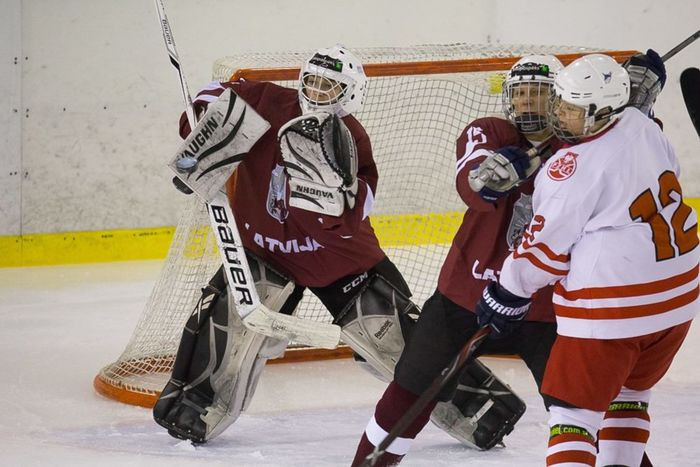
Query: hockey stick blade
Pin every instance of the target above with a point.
(307, 332)
(690, 87)
(464, 355)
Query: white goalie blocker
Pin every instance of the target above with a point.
(222, 138)
(320, 158)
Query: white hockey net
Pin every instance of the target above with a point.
(419, 100)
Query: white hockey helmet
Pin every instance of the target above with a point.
(595, 85)
(526, 106)
(332, 80)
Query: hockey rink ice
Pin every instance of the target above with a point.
(60, 325)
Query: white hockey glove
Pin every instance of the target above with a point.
(502, 171)
(219, 142)
(320, 158)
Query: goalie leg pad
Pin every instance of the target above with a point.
(375, 325)
(225, 364)
(483, 410)
(181, 367)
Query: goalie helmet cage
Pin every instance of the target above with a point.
(419, 100)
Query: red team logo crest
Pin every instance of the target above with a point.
(564, 167)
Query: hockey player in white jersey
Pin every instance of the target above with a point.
(611, 231)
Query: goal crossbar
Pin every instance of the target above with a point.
(434, 67)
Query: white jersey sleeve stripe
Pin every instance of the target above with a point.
(369, 201)
(546, 250)
(468, 157)
(206, 98)
(210, 92)
(535, 261)
(212, 85)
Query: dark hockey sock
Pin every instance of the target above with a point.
(394, 403)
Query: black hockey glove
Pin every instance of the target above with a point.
(647, 78)
(501, 310)
(653, 62)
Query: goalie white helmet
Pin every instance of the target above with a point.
(526, 91)
(587, 97)
(332, 80)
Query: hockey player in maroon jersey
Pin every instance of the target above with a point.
(301, 198)
(493, 225)
(495, 180)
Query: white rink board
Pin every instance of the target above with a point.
(99, 101)
(10, 117)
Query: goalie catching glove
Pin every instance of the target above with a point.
(502, 171)
(320, 158)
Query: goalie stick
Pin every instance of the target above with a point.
(690, 87)
(464, 355)
(254, 314)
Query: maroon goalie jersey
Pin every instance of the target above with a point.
(313, 249)
(489, 231)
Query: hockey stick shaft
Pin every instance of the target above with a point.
(542, 149)
(464, 355)
(254, 314)
(175, 61)
(681, 46)
(690, 88)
